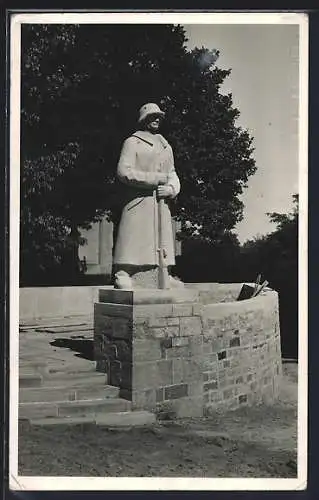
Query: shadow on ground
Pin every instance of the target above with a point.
(83, 347)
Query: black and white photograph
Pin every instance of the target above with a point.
(158, 251)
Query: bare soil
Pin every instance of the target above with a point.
(249, 442)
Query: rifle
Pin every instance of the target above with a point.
(163, 277)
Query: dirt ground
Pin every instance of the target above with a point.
(249, 442)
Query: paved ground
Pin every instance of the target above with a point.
(249, 442)
(67, 342)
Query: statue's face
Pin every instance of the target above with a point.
(153, 123)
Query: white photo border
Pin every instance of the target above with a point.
(17, 482)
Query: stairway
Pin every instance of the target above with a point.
(59, 384)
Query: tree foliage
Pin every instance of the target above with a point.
(82, 86)
(276, 257)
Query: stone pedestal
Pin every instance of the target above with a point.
(144, 341)
(179, 353)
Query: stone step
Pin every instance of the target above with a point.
(119, 419)
(78, 379)
(56, 368)
(30, 324)
(53, 421)
(33, 366)
(69, 393)
(83, 408)
(72, 368)
(125, 419)
(30, 380)
(73, 329)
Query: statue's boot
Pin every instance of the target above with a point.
(123, 281)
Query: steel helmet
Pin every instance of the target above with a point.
(149, 109)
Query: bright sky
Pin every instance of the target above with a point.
(264, 85)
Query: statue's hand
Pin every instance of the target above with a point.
(162, 178)
(165, 191)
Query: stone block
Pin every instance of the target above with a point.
(140, 329)
(159, 395)
(178, 352)
(93, 407)
(190, 326)
(38, 410)
(152, 375)
(192, 369)
(206, 399)
(164, 331)
(196, 388)
(180, 341)
(123, 350)
(234, 342)
(126, 419)
(102, 365)
(117, 310)
(146, 350)
(109, 326)
(109, 350)
(267, 394)
(212, 385)
(210, 375)
(176, 391)
(153, 311)
(145, 295)
(186, 370)
(120, 374)
(157, 322)
(178, 372)
(182, 310)
(196, 346)
(215, 396)
(52, 421)
(198, 309)
(30, 380)
(189, 407)
(122, 328)
(207, 362)
(166, 343)
(182, 407)
(242, 399)
(144, 399)
(172, 321)
(228, 393)
(221, 355)
(216, 345)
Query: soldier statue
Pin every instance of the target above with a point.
(146, 169)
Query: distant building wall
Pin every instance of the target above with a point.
(97, 252)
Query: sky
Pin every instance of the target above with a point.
(264, 83)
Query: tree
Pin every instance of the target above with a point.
(276, 257)
(81, 88)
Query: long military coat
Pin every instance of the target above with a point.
(146, 161)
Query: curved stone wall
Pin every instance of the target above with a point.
(189, 352)
(244, 340)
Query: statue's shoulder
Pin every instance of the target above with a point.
(163, 141)
(142, 136)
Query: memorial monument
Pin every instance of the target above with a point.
(144, 247)
(174, 348)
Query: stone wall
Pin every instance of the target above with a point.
(181, 354)
(56, 302)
